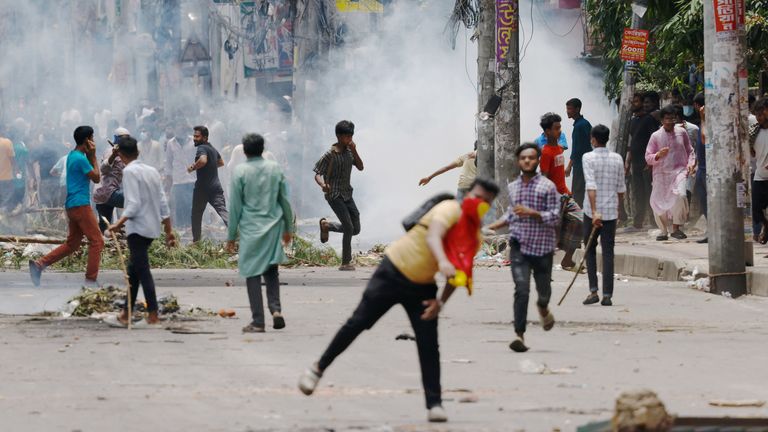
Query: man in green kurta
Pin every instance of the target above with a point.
(259, 210)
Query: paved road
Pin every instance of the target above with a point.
(67, 375)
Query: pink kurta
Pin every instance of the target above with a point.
(671, 171)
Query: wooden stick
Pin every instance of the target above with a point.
(125, 271)
(16, 239)
(581, 264)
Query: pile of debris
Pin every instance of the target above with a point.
(95, 302)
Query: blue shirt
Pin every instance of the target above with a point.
(78, 183)
(541, 140)
(582, 145)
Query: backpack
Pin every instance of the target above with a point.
(414, 217)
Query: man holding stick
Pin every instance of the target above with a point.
(604, 178)
(146, 208)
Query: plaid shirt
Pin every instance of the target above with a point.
(340, 165)
(604, 173)
(536, 237)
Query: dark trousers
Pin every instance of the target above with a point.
(182, 203)
(107, 210)
(139, 273)
(348, 224)
(387, 288)
(578, 185)
(522, 266)
(700, 186)
(641, 195)
(607, 234)
(254, 295)
(202, 197)
(759, 202)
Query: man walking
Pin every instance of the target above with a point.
(332, 174)
(642, 126)
(534, 209)
(146, 208)
(671, 157)
(604, 178)
(208, 188)
(581, 146)
(179, 154)
(82, 169)
(260, 211)
(109, 194)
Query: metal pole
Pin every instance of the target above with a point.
(625, 114)
(726, 135)
(486, 79)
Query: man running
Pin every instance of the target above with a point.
(208, 188)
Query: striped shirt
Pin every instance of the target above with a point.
(339, 166)
(536, 237)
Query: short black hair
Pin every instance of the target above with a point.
(668, 110)
(82, 133)
(575, 102)
(202, 129)
(128, 146)
(601, 134)
(345, 127)
(652, 95)
(253, 144)
(548, 119)
(679, 111)
(699, 99)
(487, 184)
(527, 146)
(760, 104)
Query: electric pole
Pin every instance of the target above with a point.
(627, 93)
(508, 116)
(486, 79)
(726, 90)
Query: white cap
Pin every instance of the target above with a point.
(121, 131)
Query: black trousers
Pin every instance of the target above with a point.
(522, 266)
(387, 288)
(201, 197)
(641, 195)
(578, 185)
(253, 284)
(607, 234)
(348, 224)
(759, 201)
(139, 272)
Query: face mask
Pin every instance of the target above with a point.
(687, 110)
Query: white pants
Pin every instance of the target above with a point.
(679, 214)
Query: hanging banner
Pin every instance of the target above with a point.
(634, 45)
(729, 15)
(268, 41)
(506, 24)
(369, 6)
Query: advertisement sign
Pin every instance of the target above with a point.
(268, 41)
(370, 6)
(729, 15)
(506, 23)
(634, 45)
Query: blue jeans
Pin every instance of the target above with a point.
(522, 266)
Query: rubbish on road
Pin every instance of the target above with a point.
(700, 284)
(727, 294)
(226, 313)
(532, 368)
(640, 410)
(97, 302)
(462, 361)
(229, 283)
(737, 403)
(405, 336)
(469, 399)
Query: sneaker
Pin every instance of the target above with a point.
(113, 321)
(606, 301)
(518, 345)
(250, 328)
(35, 271)
(591, 299)
(278, 322)
(662, 237)
(323, 230)
(308, 380)
(90, 283)
(547, 320)
(347, 267)
(436, 414)
(679, 235)
(703, 241)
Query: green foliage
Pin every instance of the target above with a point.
(304, 253)
(676, 41)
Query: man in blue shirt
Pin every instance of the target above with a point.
(541, 141)
(581, 146)
(82, 169)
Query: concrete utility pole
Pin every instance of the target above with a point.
(627, 93)
(486, 80)
(725, 83)
(508, 116)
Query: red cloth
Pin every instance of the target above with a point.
(553, 167)
(462, 241)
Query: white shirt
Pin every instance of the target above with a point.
(178, 158)
(761, 155)
(151, 153)
(145, 202)
(604, 173)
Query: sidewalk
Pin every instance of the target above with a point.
(639, 254)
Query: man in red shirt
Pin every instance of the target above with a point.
(553, 167)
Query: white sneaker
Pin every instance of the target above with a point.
(437, 414)
(308, 380)
(92, 284)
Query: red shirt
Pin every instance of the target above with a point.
(553, 167)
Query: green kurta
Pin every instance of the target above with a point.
(259, 209)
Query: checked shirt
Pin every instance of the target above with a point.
(537, 237)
